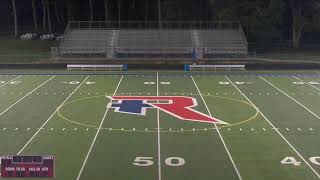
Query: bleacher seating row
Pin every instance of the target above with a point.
(153, 43)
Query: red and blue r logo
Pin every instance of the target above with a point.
(180, 107)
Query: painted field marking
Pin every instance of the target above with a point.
(314, 114)
(97, 133)
(224, 144)
(36, 133)
(25, 96)
(158, 129)
(307, 83)
(276, 129)
(146, 130)
(10, 81)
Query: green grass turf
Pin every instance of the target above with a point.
(254, 146)
(24, 51)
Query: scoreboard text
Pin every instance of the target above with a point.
(27, 166)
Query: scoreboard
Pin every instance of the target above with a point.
(27, 166)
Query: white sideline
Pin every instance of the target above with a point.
(10, 81)
(307, 83)
(158, 124)
(36, 133)
(293, 148)
(97, 133)
(25, 96)
(224, 144)
(314, 114)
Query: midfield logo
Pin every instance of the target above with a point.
(180, 107)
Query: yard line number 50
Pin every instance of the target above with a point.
(148, 161)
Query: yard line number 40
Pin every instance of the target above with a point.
(294, 162)
(148, 161)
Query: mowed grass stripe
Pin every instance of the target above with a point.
(26, 117)
(300, 104)
(6, 80)
(204, 154)
(306, 96)
(312, 103)
(19, 100)
(218, 131)
(44, 124)
(18, 88)
(121, 143)
(296, 151)
(70, 142)
(287, 117)
(308, 83)
(97, 133)
(256, 149)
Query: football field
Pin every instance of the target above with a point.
(134, 127)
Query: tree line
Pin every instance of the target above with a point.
(284, 16)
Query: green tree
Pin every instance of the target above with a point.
(34, 14)
(303, 13)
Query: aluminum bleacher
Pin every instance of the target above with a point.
(154, 42)
(100, 40)
(223, 43)
(86, 41)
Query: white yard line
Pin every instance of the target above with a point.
(314, 114)
(158, 126)
(307, 83)
(276, 129)
(222, 140)
(10, 81)
(97, 133)
(35, 134)
(25, 96)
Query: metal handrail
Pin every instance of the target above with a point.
(98, 25)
